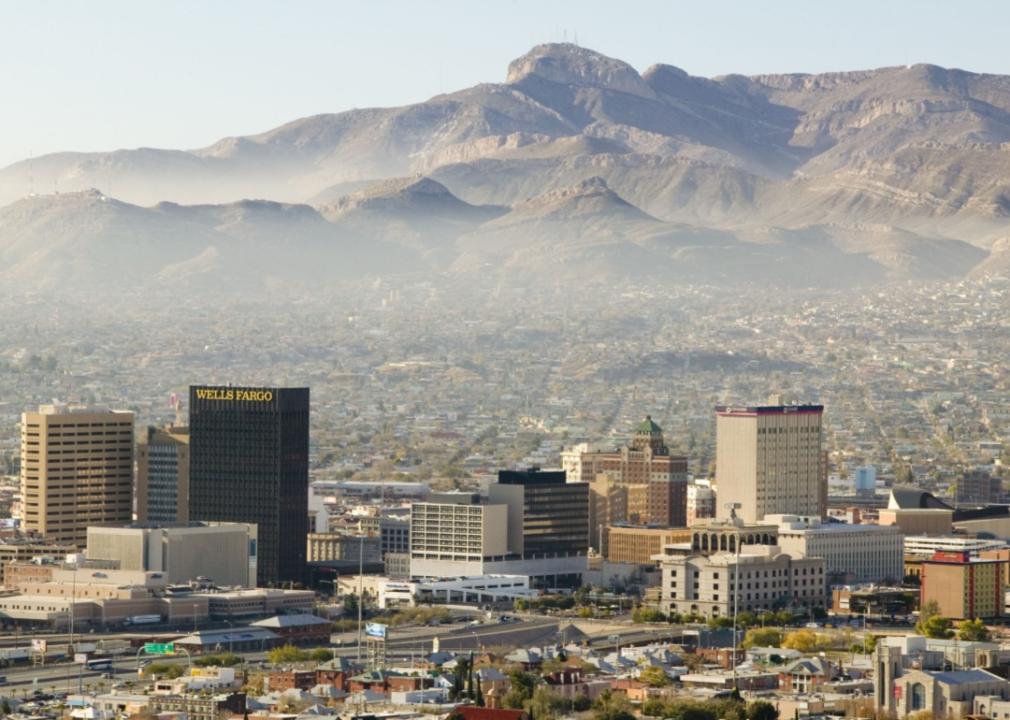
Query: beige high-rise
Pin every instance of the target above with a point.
(76, 471)
(769, 460)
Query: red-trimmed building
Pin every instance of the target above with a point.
(962, 586)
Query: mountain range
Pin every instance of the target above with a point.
(576, 164)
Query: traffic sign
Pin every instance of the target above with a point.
(159, 648)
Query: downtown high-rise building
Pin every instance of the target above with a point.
(249, 463)
(162, 490)
(769, 461)
(640, 484)
(76, 471)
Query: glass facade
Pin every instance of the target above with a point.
(249, 451)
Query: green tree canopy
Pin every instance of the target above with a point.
(521, 686)
(654, 676)
(973, 630)
(612, 706)
(762, 637)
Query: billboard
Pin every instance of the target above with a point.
(375, 630)
(39, 646)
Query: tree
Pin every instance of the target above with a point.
(543, 704)
(611, 706)
(227, 659)
(321, 655)
(805, 641)
(647, 615)
(286, 654)
(973, 630)
(654, 676)
(762, 637)
(870, 643)
(654, 707)
(350, 606)
(720, 622)
(521, 685)
(762, 710)
(164, 669)
(937, 627)
(746, 619)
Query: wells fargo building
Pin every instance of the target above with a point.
(249, 462)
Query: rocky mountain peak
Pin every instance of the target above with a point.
(569, 64)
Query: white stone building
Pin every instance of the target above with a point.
(767, 578)
(852, 553)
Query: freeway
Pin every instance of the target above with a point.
(402, 644)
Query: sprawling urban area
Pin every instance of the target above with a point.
(494, 504)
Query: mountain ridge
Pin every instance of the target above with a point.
(899, 173)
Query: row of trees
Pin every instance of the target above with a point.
(292, 654)
(730, 709)
(745, 619)
(934, 625)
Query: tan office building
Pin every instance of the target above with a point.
(638, 545)
(76, 471)
(769, 460)
(163, 475)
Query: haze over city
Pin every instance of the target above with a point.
(513, 361)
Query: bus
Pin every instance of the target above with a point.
(99, 664)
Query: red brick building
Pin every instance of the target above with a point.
(298, 629)
(280, 680)
(640, 484)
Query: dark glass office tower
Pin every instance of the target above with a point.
(548, 517)
(249, 462)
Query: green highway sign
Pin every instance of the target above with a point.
(159, 648)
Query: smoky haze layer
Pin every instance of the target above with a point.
(576, 164)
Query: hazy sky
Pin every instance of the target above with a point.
(106, 74)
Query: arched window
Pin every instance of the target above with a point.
(918, 696)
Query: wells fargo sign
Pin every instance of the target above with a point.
(234, 394)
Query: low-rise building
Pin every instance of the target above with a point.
(200, 706)
(944, 693)
(298, 628)
(638, 545)
(26, 547)
(852, 553)
(926, 545)
(918, 521)
(257, 602)
(760, 577)
(330, 546)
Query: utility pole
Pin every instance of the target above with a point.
(73, 602)
(361, 587)
(733, 507)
